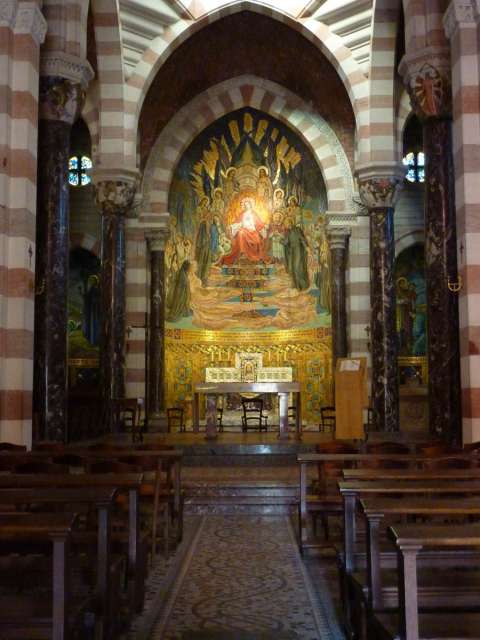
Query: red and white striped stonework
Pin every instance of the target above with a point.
(67, 21)
(461, 25)
(229, 96)
(22, 29)
(114, 116)
(164, 45)
(378, 136)
(358, 288)
(138, 283)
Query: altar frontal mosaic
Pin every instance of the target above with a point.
(247, 249)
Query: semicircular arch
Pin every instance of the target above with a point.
(231, 95)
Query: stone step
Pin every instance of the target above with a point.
(265, 505)
(241, 490)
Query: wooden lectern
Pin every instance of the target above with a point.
(351, 397)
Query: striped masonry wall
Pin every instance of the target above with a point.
(403, 112)
(113, 114)
(162, 47)
(137, 296)
(358, 288)
(462, 27)
(229, 96)
(67, 21)
(377, 136)
(22, 29)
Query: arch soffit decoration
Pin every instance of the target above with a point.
(229, 96)
(353, 79)
(85, 241)
(408, 240)
(403, 114)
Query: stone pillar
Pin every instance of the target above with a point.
(338, 240)
(462, 27)
(156, 347)
(114, 195)
(427, 76)
(378, 194)
(61, 94)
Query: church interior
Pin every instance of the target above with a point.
(239, 340)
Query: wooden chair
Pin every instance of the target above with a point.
(253, 415)
(292, 416)
(220, 419)
(126, 413)
(327, 419)
(175, 418)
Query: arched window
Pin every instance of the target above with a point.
(415, 164)
(79, 169)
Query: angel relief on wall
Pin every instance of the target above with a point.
(247, 248)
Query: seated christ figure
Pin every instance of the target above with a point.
(248, 236)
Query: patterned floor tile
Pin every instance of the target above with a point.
(243, 579)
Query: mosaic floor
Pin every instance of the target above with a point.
(238, 577)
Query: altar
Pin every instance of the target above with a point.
(213, 390)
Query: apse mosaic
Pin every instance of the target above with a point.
(247, 248)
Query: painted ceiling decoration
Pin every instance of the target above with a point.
(144, 20)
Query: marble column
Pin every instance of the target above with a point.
(428, 81)
(378, 194)
(114, 198)
(60, 99)
(156, 348)
(338, 242)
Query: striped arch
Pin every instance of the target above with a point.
(85, 241)
(228, 96)
(377, 139)
(111, 101)
(90, 116)
(403, 113)
(319, 34)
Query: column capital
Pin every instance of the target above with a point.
(460, 14)
(59, 99)
(59, 64)
(337, 237)
(426, 75)
(115, 190)
(379, 187)
(157, 239)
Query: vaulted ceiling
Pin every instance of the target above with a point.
(144, 20)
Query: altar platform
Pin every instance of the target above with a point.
(235, 448)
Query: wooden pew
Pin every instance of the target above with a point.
(377, 509)
(123, 482)
(412, 474)
(409, 624)
(315, 502)
(56, 529)
(103, 500)
(351, 490)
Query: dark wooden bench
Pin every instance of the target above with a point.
(103, 500)
(330, 501)
(409, 624)
(129, 483)
(35, 618)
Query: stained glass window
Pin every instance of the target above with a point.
(79, 169)
(415, 166)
